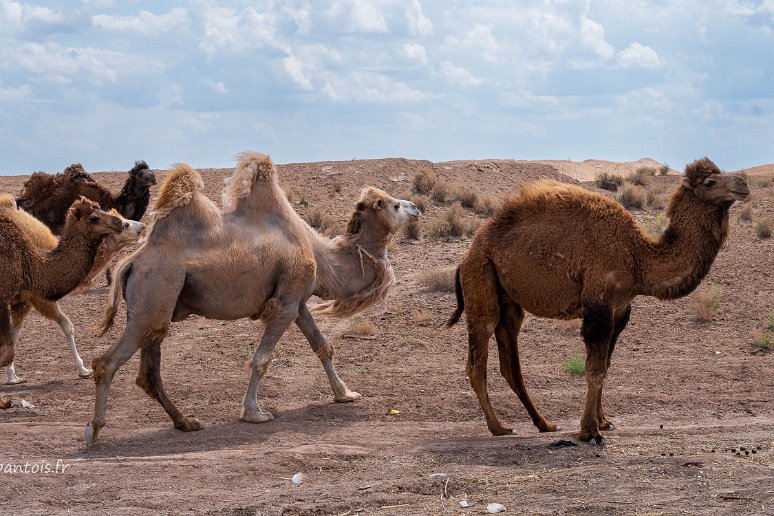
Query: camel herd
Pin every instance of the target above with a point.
(552, 249)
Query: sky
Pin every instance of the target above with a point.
(105, 83)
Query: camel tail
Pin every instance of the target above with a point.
(117, 286)
(455, 317)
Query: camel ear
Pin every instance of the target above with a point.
(687, 183)
(379, 204)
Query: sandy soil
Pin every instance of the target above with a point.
(684, 394)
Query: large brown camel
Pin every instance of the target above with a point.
(256, 259)
(559, 251)
(43, 239)
(47, 275)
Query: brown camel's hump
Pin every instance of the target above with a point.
(177, 190)
(37, 232)
(550, 196)
(252, 168)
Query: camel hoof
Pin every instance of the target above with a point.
(90, 434)
(599, 441)
(88, 373)
(501, 431)
(606, 425)
(189, 424)
(257, 417)
(550, 428)
(347, 397)
(16, 381)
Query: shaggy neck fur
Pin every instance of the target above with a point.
(60, 271)
(134, 197)
(675, 265)
(353, 271)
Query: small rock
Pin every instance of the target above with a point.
(26, 404)
(465, 503)
(493, 508)
(437, 475)
(297, 479)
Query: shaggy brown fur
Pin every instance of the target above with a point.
(45, 275)
(256, 259)
(48, 196)
(559, 251)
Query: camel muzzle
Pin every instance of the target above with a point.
(740, 191)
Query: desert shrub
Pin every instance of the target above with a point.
(663, 170)
(412, 230)
(575, 365)
(424, 181)
(765, 183)
(632, 197)
(440, 192)
(440, 279)
(486, 205)
(452, 223)
(466, 197)
(763, 228)
(362, 327)
(319, 220)
(471, 227)
(770, 322)
(657, 227)
(762, 340)
(421, 201)
(746, 212)
(641, 176)
(609, 182)
(705, 303)
(654, 199)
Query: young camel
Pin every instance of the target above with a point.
(559, 251)
(43, 239)
(256, 259)
(47, 275)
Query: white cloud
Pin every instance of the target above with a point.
(18, 94)
(478, 40)
(295, 70)
(414, 52)
(637, 55)
(419, 24)
(225, 29)
(458, 75)
(370, 87)
(145, 23)
(220, 87)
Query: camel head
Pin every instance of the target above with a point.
(133, 230)
(92, 222)
(386, 211)
(711, 186)
(142, 175)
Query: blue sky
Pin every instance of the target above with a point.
(105, 82)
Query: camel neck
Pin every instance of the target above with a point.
(674, 266)
(60, 271)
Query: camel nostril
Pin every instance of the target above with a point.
(126, 225)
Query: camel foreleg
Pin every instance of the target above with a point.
(19, 311)
(277, 318)
(620, 324)
(597, 331)
(51, 310)
(324, 351)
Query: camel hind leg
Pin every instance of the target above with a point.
(51, 310)
(149, 380)
(479, 286)
(324, 351)
(506, 333)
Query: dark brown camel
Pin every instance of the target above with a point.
(562, 252)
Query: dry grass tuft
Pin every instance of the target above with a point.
(632, 197)
(486, 205)
(422, 318)
(440, 192)
(705, 303)
(424, 181)
(439, 280)
(572, 326)
(609, 182)
(412, 230)
(466, 197)
(319, 220)
(421, 201)
(655, 199)
(746, 212)
(763, 228)
(452, 223)
(663, 170)
(641, 176)
(362, 327)
(762, 340)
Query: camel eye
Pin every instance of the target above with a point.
(93, 218)
(709, 182)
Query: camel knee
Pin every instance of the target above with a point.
(324, 349)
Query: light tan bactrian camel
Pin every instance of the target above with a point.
(559, 251)
(42, 238)
(48, 275)
(256, 259)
